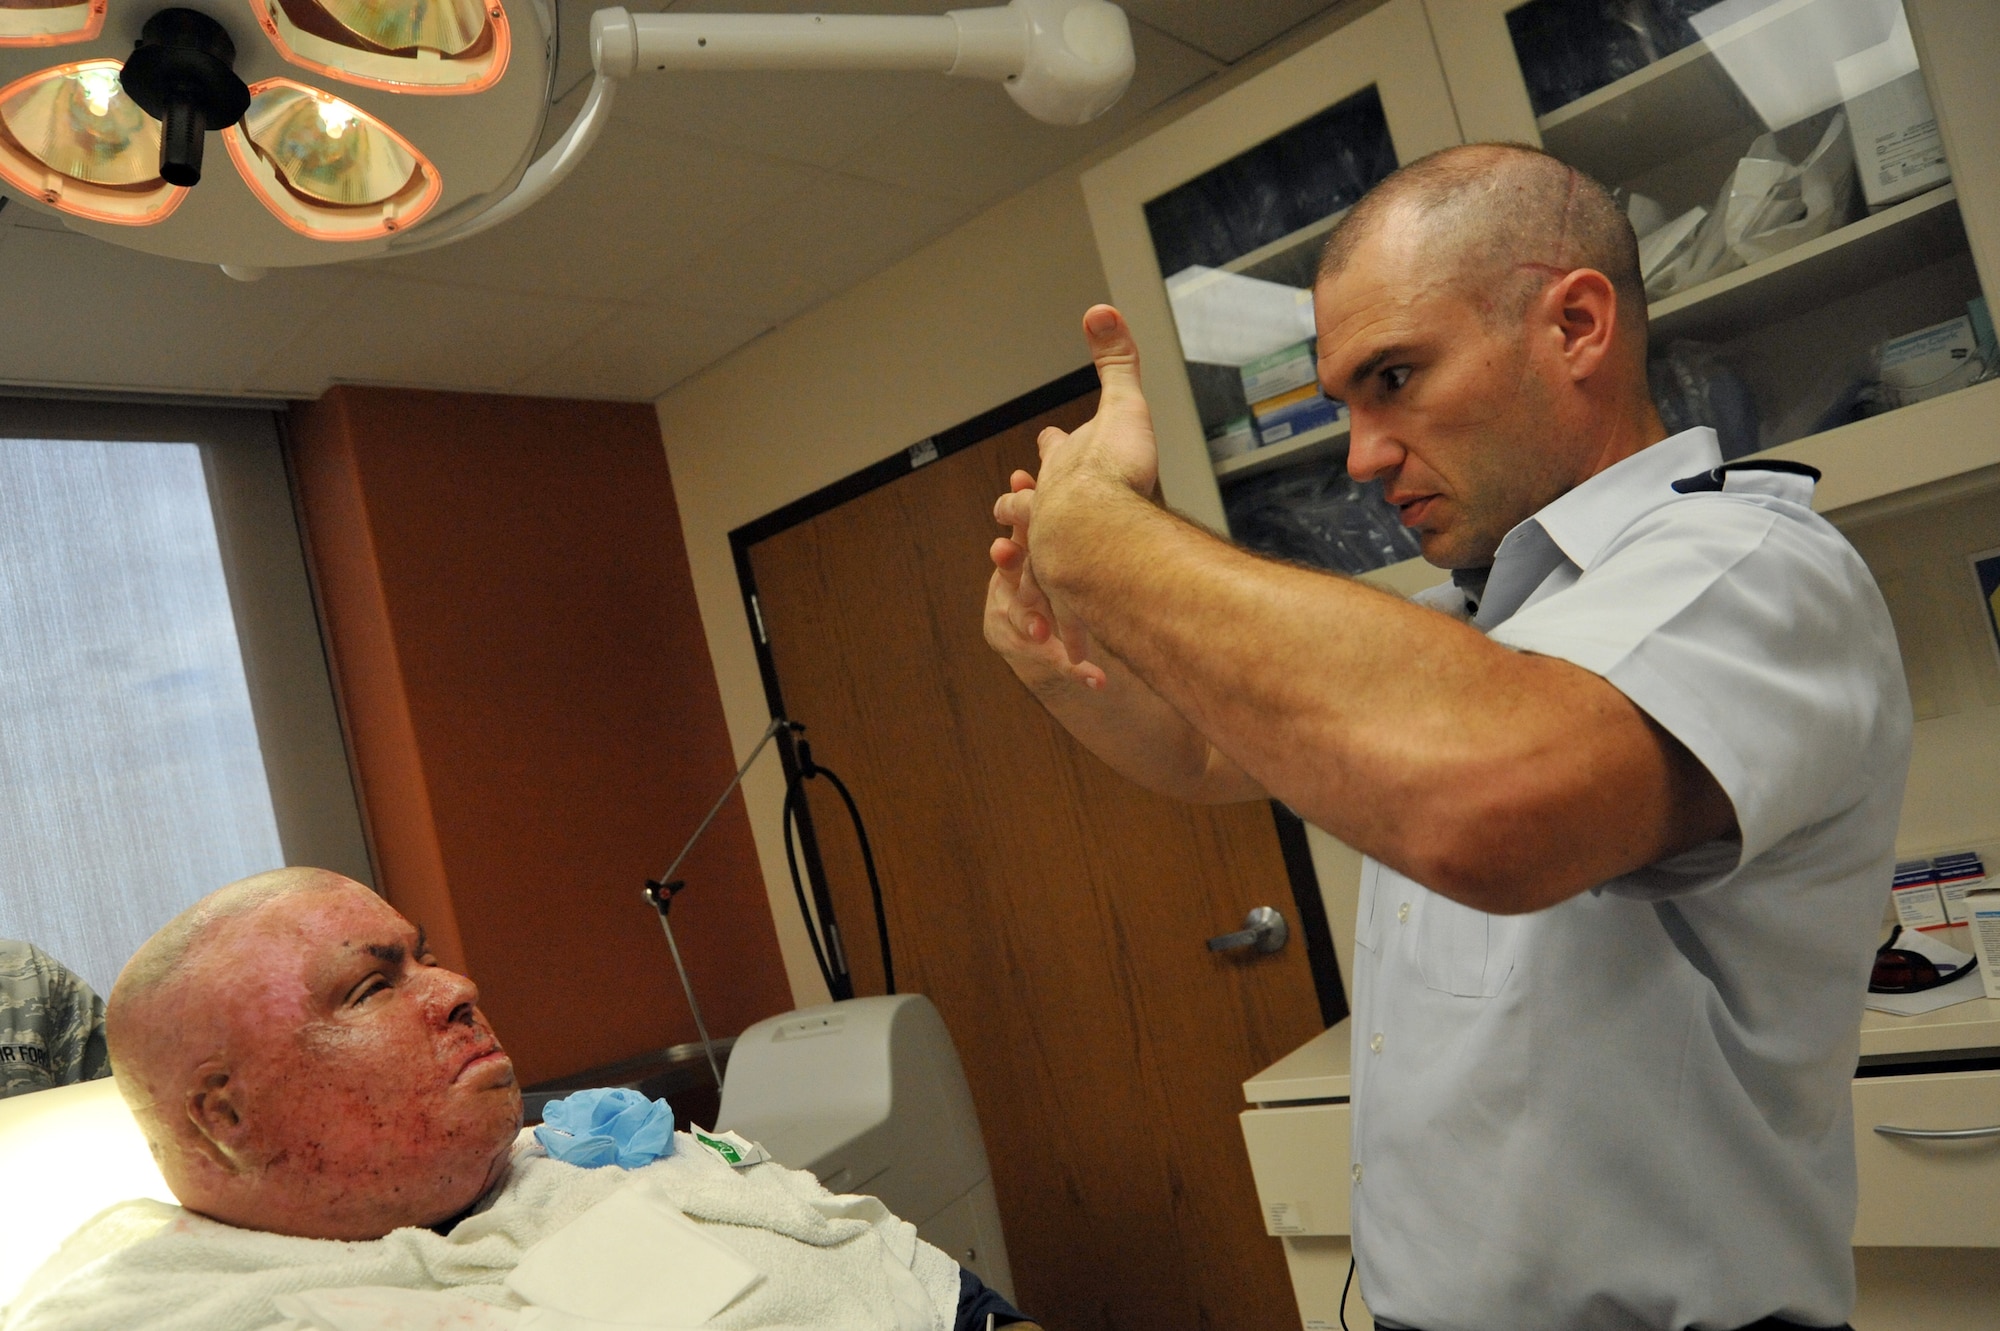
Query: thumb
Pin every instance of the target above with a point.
(1114, 351)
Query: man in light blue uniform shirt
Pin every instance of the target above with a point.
(1629, 802)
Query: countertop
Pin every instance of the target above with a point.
(1318, 1069)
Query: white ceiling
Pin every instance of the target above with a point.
(714, 207)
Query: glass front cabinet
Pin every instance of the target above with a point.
(1816, 189)
(1815, 185)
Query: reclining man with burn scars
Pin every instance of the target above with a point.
(343, 1132)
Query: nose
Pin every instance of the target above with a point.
(452, 998)
(1371, 449)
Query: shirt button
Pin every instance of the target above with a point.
(1375, 1042)
(1403, 913)
(1357, 1173)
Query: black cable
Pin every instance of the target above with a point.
(1349, 1284)
(874, 882)
(793, 792)
(794, 802)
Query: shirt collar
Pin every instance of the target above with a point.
(1580, 524)
(1587, 519)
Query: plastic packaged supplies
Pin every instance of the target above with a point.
(1768, 205)
(615, 1126)
(1225, 318)
(1692, 385)
(1317, 515)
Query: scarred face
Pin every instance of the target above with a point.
(360, 1087)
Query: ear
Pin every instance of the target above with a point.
(216, 1112)
(1584, 308)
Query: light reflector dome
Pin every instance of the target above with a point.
(328, 169)
(49, 22)
(73, 137)
(420, 46)
(449, 27)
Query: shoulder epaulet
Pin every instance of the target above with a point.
(1715, 478)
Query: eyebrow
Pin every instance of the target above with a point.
(393, 953)
(1367, 368)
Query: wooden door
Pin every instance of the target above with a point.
(1053, 911)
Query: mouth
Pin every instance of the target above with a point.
(489, 1064)
(1412, 512)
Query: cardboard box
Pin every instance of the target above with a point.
(1279, 373)
(1915, 895)
(1931, 361)
(1232, 440)
(1294, 414)
(1898, 151)
(1983, 915)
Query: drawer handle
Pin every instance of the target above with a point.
(1939, 1134)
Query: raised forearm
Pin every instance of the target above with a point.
(1504, 780)
(1136, 732)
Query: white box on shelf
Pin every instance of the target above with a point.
(1279, 373)
(1898, 151)
(1931, 361)
(1232, 440)
(1983, 914)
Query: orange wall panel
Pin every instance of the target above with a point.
(532, 713)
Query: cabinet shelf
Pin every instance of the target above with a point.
(1894, 242)
(1326, 441)
(1871, 468)
(1657, 113)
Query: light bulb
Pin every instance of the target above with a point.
(328, 169)
(325, 149)
(77, 121)
(335, 117)
(99, 84)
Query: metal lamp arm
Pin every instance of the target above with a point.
(1063, 61)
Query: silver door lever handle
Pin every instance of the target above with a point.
(1263, 928)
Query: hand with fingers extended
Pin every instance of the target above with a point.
(1113, 453)
(1020, 620)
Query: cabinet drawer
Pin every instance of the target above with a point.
(1918, 1192)
(1299, 1158)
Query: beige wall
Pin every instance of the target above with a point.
(982, 316)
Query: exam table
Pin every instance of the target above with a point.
(66, 1153)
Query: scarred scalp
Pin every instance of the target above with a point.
(1499, 221)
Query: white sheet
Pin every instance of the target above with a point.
(828, 1263)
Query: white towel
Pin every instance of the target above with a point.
(830, 1263)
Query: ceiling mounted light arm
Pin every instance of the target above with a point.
(547, 171)
(1065, 62)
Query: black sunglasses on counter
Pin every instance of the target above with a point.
(1901, 971)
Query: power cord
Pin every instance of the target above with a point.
(825, 937)
(1349, 1284)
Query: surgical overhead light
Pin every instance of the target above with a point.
(430, 134)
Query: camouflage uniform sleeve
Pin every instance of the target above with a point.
(51, 1023)
(76, 1047)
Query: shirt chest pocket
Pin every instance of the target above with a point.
(1459, 950)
